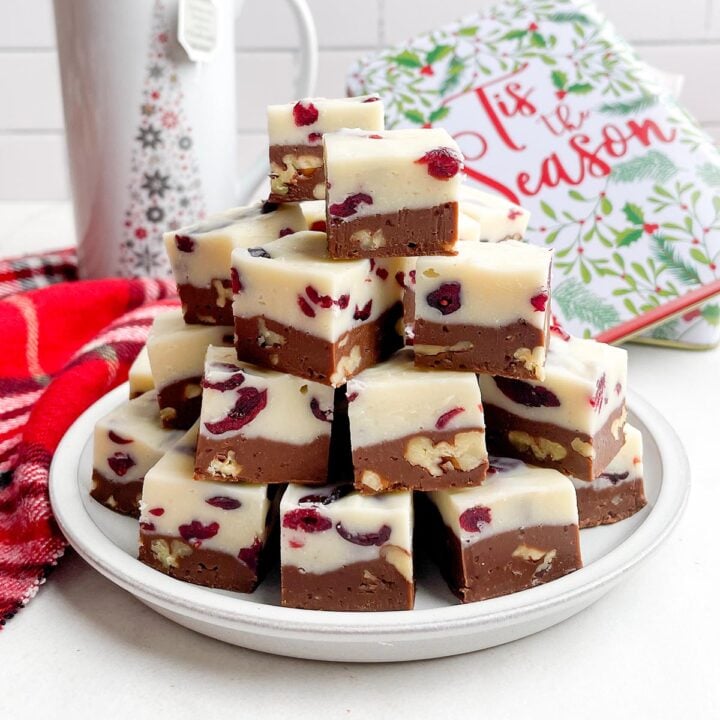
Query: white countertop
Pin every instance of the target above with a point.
(83, 648)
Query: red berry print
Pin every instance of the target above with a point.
(140, 233)
(526, 394)
(446, 298)
(427, 70)
(474, 519)
(304, 114)
(442, 163)
(307, 520)
(365, 539)
(120, 463)
(539, 301)
(349, 206)
(650, 228)
(250, 402)
(446, 417)
(224, 502)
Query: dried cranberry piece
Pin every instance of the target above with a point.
(446, 417)
(314, 137)
(224, 502)
(338, 492)
(375, 136)
(499, 464)
(197, 531)
(304, 305)
(343, 301)
(285, 231)
(446, 298)
(411, 275)
(157, 512)
(251, 555)
(147, 526)
(250, 402)
(615, 478)
(365, 539)
(372, 98)
(120, 463)
(363, 313)
(268, 207)
(319, 413)
(234, 381)
(304, 114)
(352, 397)
(442, 163)
(526, 394)
(307, 520)
(184, 243)
(349, 206)
(118, 439)
(475, 518)
(400, 278)
(262, 252)
(382, 273)
(319, 226)
(618, 388)
(596, 401)
(539, 302)
(235, 283)
(558, 330)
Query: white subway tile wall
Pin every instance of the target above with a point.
(676, 37)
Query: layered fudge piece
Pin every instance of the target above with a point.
(295, 132)
(177, 357)
(392, 193)
(517, 530)
(200, 255)
(127, 442)
(140, 379)
(618, 492)
(262, 426)
(415, 429)
(206, 533)
(499, 219)
(340, 550)
(486, 309)
(300, 312)
(573, 421)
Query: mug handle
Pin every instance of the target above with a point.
(304, 87)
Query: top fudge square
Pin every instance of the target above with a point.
(295, 132)
(392, 193)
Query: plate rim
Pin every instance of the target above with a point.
(198, 602)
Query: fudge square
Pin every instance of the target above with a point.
(177, 357)
(207, 533)
(261, 426)
(499, 219)
(298, 311)
(340, 550)
(140, 379)
(295, 134)
(200, 255)
(127, 442)
(573, 421)
(516, 530)
(486, 309)
(415, 429)
(393, 193)
(618, 492)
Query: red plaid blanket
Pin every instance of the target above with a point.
(65, 346)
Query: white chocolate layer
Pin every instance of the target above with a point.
(396, 399)
(499, 219)
(287, 416)
(313, 211)
(573, 372)
(325, 551)
(177, 351)
(497, 282)
(136, 422)
(333, 114)
(277, 287)
(212, 241)
(387, 170)
(170, 487)
(625, 467)
(516, 496)
(140, 376)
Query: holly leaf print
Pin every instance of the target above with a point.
(580, 88)
(576, 301)
(537, 40)
(437, 53)
(652, 166)
(415, 116)
(468, 31)
(514, 35)
(633, 213)
(439, 114)
(559, 79)
(628, 237)
(407, 59)
(561, 17)
(711, 314)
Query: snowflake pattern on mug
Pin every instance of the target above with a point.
(165, 188)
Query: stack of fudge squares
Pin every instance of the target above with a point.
(346, 354)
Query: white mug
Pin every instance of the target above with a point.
(150, 132)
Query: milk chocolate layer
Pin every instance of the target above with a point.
(491, 351)
(203, 305)
(362, 586)
(180, 403)
(201, 566)
(389, 461)
(507, 562)
(405, 233)
(125, 496)
(314, 358)
(302, 186)
(613, 503)
(499, 423)
(259, 460)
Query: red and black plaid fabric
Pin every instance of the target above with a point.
(65, 346)
(35, 271)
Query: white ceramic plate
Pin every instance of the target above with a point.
(438, 626)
